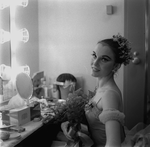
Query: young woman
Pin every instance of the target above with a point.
(105, 111)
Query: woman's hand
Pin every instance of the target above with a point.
(65, 129)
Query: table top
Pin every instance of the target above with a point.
(30, 128)
(16, 138)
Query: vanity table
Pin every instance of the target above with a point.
(35, 134)
(29, 129)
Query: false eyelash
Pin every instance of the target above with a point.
(93, 54)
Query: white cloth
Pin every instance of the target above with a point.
(16, 102)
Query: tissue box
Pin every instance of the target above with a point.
(35, 110)
(20, 116)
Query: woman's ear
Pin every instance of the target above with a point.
(116, 67)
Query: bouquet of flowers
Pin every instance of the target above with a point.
(73, 109)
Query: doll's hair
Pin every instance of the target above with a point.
(63, 78)
(66, 77)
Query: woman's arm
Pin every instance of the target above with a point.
(111, 100)
(113, 133)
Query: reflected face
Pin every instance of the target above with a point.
(103, 61)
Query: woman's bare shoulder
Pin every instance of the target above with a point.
(111, 99)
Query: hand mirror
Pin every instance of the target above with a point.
(24, 85)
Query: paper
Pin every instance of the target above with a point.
(16, 102)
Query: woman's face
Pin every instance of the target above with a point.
(103, 61)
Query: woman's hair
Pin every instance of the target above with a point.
(66, 77)
(120, 47)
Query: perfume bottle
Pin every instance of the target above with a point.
(1, 89)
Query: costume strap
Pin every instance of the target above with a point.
(112, 114)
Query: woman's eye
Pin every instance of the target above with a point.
(105, 59)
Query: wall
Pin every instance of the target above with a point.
(68, 32)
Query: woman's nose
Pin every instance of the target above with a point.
(95, 62)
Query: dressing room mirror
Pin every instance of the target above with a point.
(24, 85)
(24, 91)
(5, 47)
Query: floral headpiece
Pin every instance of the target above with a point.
(124, 49)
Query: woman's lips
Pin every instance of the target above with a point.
(95, 69)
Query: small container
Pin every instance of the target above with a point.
(45, 91)
(4, 135)
(1, 86)
(20, 116)
(1, 89)
(4, 117)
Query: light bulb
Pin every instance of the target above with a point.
(4, 36)
(6, 3)
(23, 35)
(23, 3)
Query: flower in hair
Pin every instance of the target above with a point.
(124, 49)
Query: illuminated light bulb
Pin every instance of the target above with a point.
(23, 35)
(24, 69)
(6, 3)
(23, 3)
(5, 72)
(4, 36)
(19, 69)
